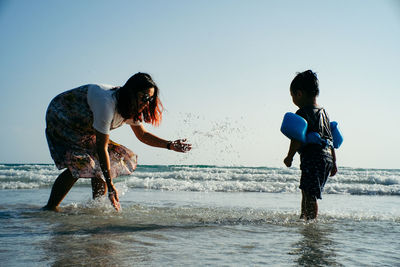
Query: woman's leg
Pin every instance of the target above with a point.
(60, 189)
(99, 188)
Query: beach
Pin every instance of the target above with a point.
(201, 215)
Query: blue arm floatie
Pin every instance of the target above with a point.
(295, 127)
(336, 134)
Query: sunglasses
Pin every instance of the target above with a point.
(146, 98)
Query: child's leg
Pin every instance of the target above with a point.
(303, 205)
(311, 206)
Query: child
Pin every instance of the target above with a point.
(317, 161)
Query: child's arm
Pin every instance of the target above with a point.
(334, 168)
(294, 146)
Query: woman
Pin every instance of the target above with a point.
(78, 123)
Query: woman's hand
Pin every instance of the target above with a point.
(180, 145)
(113, 196)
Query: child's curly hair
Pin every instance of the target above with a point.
(306, 81)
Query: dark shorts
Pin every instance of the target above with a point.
(315, 170)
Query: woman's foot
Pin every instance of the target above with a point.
(56, 209)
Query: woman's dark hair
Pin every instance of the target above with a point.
(127, 100)
(306, 81)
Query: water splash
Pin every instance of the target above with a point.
(212, 138)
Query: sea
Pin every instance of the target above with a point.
(191, 215)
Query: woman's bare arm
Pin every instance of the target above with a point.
(150, 139)
(102, 141)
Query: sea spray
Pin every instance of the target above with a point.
(214, 138)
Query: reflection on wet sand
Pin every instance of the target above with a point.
(315, 248)
(93, 243)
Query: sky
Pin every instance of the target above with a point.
(223, 68)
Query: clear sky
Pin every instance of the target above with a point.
(223, 68)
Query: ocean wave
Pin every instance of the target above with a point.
(214, 178)
(253, 186)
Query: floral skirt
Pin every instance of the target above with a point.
(72, 139)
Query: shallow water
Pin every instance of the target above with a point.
(201, 215)
(162, 228)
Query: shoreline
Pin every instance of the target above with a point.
(220, 166)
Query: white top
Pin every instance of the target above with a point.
(103, 104)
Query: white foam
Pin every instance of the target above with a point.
(212, 178)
